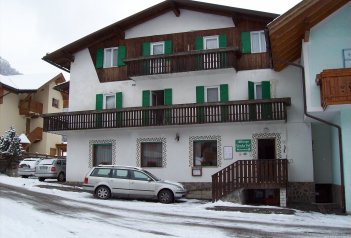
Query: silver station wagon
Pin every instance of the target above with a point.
(51, 168)
(132, 182)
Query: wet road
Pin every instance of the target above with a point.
(160, 223)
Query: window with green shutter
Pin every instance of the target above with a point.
(266, 90)
(122, 52)
(146, 49)
(224, 94)
(199, 43)
(119, 104)
(222, 41)
(168, 96)
(251, 90)
(245, 43)
(267, 112)
(168, 47)
(99, 106)
(99, 61)
(200, 98)
(146, 103)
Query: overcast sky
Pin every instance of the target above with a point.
(31, 28)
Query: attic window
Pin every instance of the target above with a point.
(110, 57)
(55, 102)
(258, 42)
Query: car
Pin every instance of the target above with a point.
(26, 167)
(105, 181)
(51, 168)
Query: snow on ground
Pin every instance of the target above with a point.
(19, 218)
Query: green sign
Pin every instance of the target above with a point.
(243, 145)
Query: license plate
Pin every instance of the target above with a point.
(42, 167)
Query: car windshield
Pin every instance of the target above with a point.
(151, 175)
(31, 162)
(47, 162)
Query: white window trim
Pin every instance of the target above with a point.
(105, 50)
(107, 95)
(218, 90)
(262, 49)
(152, 44)
(205, 38)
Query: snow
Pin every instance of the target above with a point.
(20, 218)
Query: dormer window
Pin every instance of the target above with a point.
(111, 57)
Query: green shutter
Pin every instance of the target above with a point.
(200, 94)
(99, 101)
(222, 41)
(199, 43)
(146, 98)
(146, 49)
(224, 93)
(122, 52)
(168, 47)
(251, 90)
(266, 90)
(245, 43)
(168, 96)
(99, 62)
(119, 100)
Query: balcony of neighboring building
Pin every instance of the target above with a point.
(335, 86)
(174, 115)
(30, 108)
(35, 135)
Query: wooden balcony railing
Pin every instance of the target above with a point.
(36, 135)
(253, 174)
(182, 62)
(30, 108)
(335, 86)
(181, 114)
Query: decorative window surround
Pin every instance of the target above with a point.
(219, 148)
(275, 136)
(158, 139)
(93, 142)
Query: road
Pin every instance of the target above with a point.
(158, 224)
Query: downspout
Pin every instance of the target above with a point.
(341, 159)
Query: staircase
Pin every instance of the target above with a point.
(253, 174)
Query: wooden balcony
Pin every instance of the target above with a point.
(36, 135)
(335, 86)
(182, 62)
(30, 108)
(181, 114)
(250, 174)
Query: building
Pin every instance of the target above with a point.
(186, 90)
(23, 99)
(322, 39)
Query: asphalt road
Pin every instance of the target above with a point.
(113, 216)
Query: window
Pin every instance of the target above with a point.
(258, 91)
(102, 154)
(258, 42)
(109, 101)
(120, 173)
(211, 42)
(55, 102)
(151, 154)
(205, 153)
(212, 94)
(137, 175)
(111, 57)
(101, 172)
(157, 48)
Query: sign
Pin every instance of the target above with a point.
(228, 152)
(243, 145)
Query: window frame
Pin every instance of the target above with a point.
(141, 155)
(262, 48)
(55, 103)
(194, 151)
(255, 90)
(205, 38)
(152, 44)
(218, 92)
(105, 53)
(104, 105)
(94, 152)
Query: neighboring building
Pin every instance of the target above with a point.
(322, 39)
(23, 99)
(185, 89)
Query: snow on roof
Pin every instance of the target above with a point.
(27, 82)
(24, 139)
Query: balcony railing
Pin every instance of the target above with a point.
(30, 108)
(253, 174)
(182, 62)
(181, 114)
(335, 86)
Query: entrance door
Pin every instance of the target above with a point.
(266, 164)
(157, 99)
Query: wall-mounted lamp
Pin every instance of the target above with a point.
(177, 137)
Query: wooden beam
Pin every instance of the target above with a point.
(175, 10)
(235, 19)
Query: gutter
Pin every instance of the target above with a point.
(341, 159)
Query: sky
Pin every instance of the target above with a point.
(31, 28)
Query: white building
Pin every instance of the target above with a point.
(185, 89)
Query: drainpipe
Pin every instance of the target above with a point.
(343, 206)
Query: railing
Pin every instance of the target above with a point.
(181, 114)
(36, 135)
(335, 86)
(30, 108)
(254, 174)
(182, 62)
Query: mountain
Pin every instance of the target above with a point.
(6, 69)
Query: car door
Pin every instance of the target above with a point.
(141, 185)
(120, 182)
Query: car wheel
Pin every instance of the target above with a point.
(165, 196)
(103, 192)
(61, 177)
(24, 176)
(41, 179)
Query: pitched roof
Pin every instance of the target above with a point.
(62, 57)
(287, 31)
(27, 83)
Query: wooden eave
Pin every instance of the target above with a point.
(63, 57)
(62, 87)
(287, 31)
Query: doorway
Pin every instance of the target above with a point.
(266, 166)
(266, 149)
(157, 99)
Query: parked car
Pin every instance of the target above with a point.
(51, 168)
(105, 181)
(26, 167)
